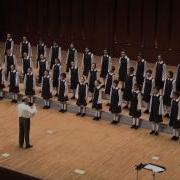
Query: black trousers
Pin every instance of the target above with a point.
(24, 129)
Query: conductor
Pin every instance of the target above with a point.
(26, 110)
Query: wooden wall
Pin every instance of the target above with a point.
(149, 26)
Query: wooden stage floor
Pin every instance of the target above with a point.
(64, 142)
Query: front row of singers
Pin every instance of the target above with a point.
(131, 94)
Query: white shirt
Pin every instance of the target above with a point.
(26, 111)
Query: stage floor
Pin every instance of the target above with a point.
(64, 143)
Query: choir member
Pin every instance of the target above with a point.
(55, 52)
(160, 73)
(105, 65)
(115, 101)
(29, 84)
(175, 116)
(41, 49)
(92, 77)
(63, 92)
(74, 78)
(135, 106)
(156, 111)
(140, 70)
(169, 88)
(25, 46)
(148, 86)
(2, 82)
(13, 80)
(46, 89)
(71, 57)
(124, 64)
(129, 86)
(26, 63)
(43, 65)
(178, 79)
(97, 100)
(81, 96)
(56, 74)
(9, 44)
(87, 60)
(9, 59)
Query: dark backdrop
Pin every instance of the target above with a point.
(149, 26)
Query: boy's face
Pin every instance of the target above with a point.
(46, 73)
(105, 52)
(82, 79)
(24, 38)
(41, 56)
(25, 55)
(156, 91)
(8, 36)
(148, 74)
(123, 54)
(71, 45)
(12, 67)
(96, 83)
(86, 50)
(93, 66)
(29, 70)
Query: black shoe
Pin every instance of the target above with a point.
(61, 110)
(73, 97)
(146, 111)
(156, 133)
(1, 98)
(136, 127)
(95, 118)
(176, 138)
(45, 107)
(29, 146)
(78, 114)
(152, 132)
(133, 126)
(64, 110)
(114, 122)
(83, 114)
(98, 118)
(173, 138)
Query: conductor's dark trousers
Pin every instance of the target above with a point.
(24, 128)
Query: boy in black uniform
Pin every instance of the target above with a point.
(26, 63)
(135, 106)
(63, 92)
(41, 49)
(2, 81)
(9, 44)
(175, 116)
(25, 46)
(74, 78)
(169, 88)
(124, 64)
(129, 86)
(97, 100)
(87, 60)
(46, 89)
(105, 65)
(115, 101)
(92, 77)
(55, 53)
(56, 75)
(140, 70)
(148, 86)
(71, 56)
(81, 96)
(13, 80)
(9, 59)
(156, 111)
(29, 84)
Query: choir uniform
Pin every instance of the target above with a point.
(156, 108)
(2, 81)
(140, 72)
(108, 82)
(43, 65)
(63, 91)
(41, 49)
(178, 79)
(29, 84)
(92, 77)
(55, 53)
(148, 86)
(86, 63)
(71, 57)
(175, 114)
(169, 88)
(105, 65)
(13, 80)
(115, 102)
(25, 46)
(8, 61)
(74, 77)
(56, 74)
(9, 44)
(26, 64)
(124, 64)
(129, 86)
(160, 74)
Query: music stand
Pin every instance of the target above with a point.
(154, 168)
